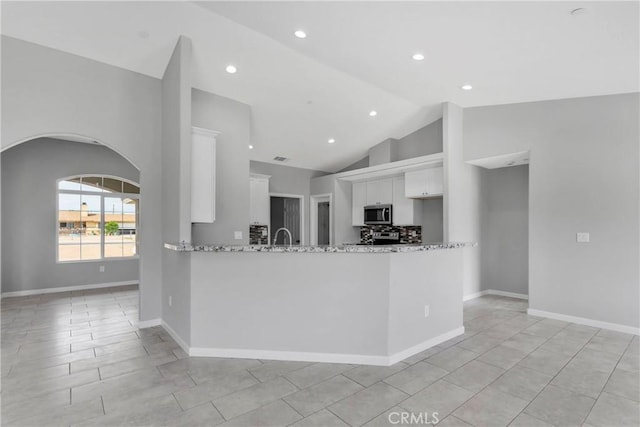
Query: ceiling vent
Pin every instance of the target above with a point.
(280, 159)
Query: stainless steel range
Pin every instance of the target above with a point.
(386, 237)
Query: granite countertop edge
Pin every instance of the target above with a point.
(187, 247)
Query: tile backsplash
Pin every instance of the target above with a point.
(408, 233)
(258, 234)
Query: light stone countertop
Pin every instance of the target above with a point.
(187, 247)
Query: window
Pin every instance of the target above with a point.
(97, 218)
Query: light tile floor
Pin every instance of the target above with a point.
(77, 358)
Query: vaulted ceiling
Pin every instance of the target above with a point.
(357, 57)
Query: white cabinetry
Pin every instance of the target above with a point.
(385, 191)
(358, 202)
(379, 192)
(424, 183)
(405, 211)
(203, 175)
(259, 199)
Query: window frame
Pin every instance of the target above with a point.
(102, 195)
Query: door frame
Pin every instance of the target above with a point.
(301, 201)
(313, 216)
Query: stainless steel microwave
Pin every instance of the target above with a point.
(377, 215)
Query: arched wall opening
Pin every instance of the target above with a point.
(79, 97)
(31, 169)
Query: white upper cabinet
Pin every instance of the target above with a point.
(385, 191)
(203, 175)
(358, 202)
(424, 183)
(259, 199)
(380, 192)
(405, 211)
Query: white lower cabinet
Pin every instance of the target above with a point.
(259, 199)
(424, 183)
(358, 202)
(405, 211)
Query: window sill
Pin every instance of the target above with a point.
(127, 258)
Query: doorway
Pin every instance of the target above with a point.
(323, 223)
(286, 212)
(320, 219)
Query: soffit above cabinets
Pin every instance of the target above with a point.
(502, 161)
(388, 170)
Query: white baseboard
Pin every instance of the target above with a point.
(400, 356)
(473, 295)
(494, 292)
(356, 359)
(176, 337)
(67, 289)
(507, 294)
(584, 321)
(143, 324)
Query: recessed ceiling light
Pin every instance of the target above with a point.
(579, 11)
(418, 56)
(300, 34)
(466, 87)
(231, 69)
(331, 141)
(250, 147)
(143, 34)
(373, 113)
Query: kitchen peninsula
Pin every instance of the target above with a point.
(373, 305)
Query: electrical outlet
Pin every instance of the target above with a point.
(237, 235)
(101, 269)
(582, 237)
(170, 300)
(426, 311)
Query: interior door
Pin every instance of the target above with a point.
(285, 212)
(323, 223)
(292, 218)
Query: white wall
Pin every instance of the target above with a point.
(46, 91)
(342, 230)
(426, 140)
(336, 304)
(432, 220)
(341, 305)
(583, 177)
(462, 200)
(418, 279)
(29, 194)
(176, 181)
(505, 229)
(233, 120)
(289, 180)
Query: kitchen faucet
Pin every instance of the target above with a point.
(275, 236)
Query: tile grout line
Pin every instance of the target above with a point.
(406, 366)
(609, 377)
(290, 406)
(339, 417)
(496, 379)
(558, 373)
